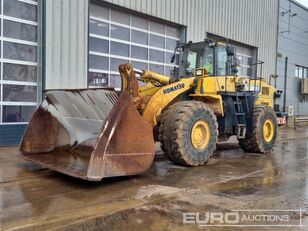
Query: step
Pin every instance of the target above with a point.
(241, 132)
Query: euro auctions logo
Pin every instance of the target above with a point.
(211, 218)
(255, 218)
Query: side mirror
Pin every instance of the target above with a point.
(173, 58)
(230, 51)
(274, 76)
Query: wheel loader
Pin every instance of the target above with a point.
(98, 133)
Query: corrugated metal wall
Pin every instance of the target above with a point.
(293, 44)
(66, 43)
(253, 22)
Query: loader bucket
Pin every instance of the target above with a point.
(89, 134)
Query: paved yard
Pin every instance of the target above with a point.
(33, 198)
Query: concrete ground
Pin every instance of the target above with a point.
(33, 198)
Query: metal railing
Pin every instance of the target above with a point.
(256, 78)
(298, 120)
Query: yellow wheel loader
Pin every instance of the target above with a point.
(97, 133)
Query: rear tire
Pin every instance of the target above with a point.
(188, 133)
(263, 137)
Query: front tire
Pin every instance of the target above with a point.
(264, 134)
(188, 133)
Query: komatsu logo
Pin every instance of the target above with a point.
(174, 88)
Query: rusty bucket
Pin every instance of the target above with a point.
(89, 134)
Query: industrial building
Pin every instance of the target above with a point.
(56, 44)
(292, 57)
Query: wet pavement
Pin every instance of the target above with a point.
(32, 198)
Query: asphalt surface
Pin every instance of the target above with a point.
(32, 198)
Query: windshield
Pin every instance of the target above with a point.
(198, 56)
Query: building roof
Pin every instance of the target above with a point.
(299, 4)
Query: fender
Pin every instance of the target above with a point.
(213, 101)
(165, 96)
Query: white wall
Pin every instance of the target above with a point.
(66, 44)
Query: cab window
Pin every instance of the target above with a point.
(200, 57)
(221, 61)
(192, 60)
(208, 60)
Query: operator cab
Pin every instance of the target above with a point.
(217, 58)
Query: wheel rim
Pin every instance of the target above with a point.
(200, 134)
(268, 130)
